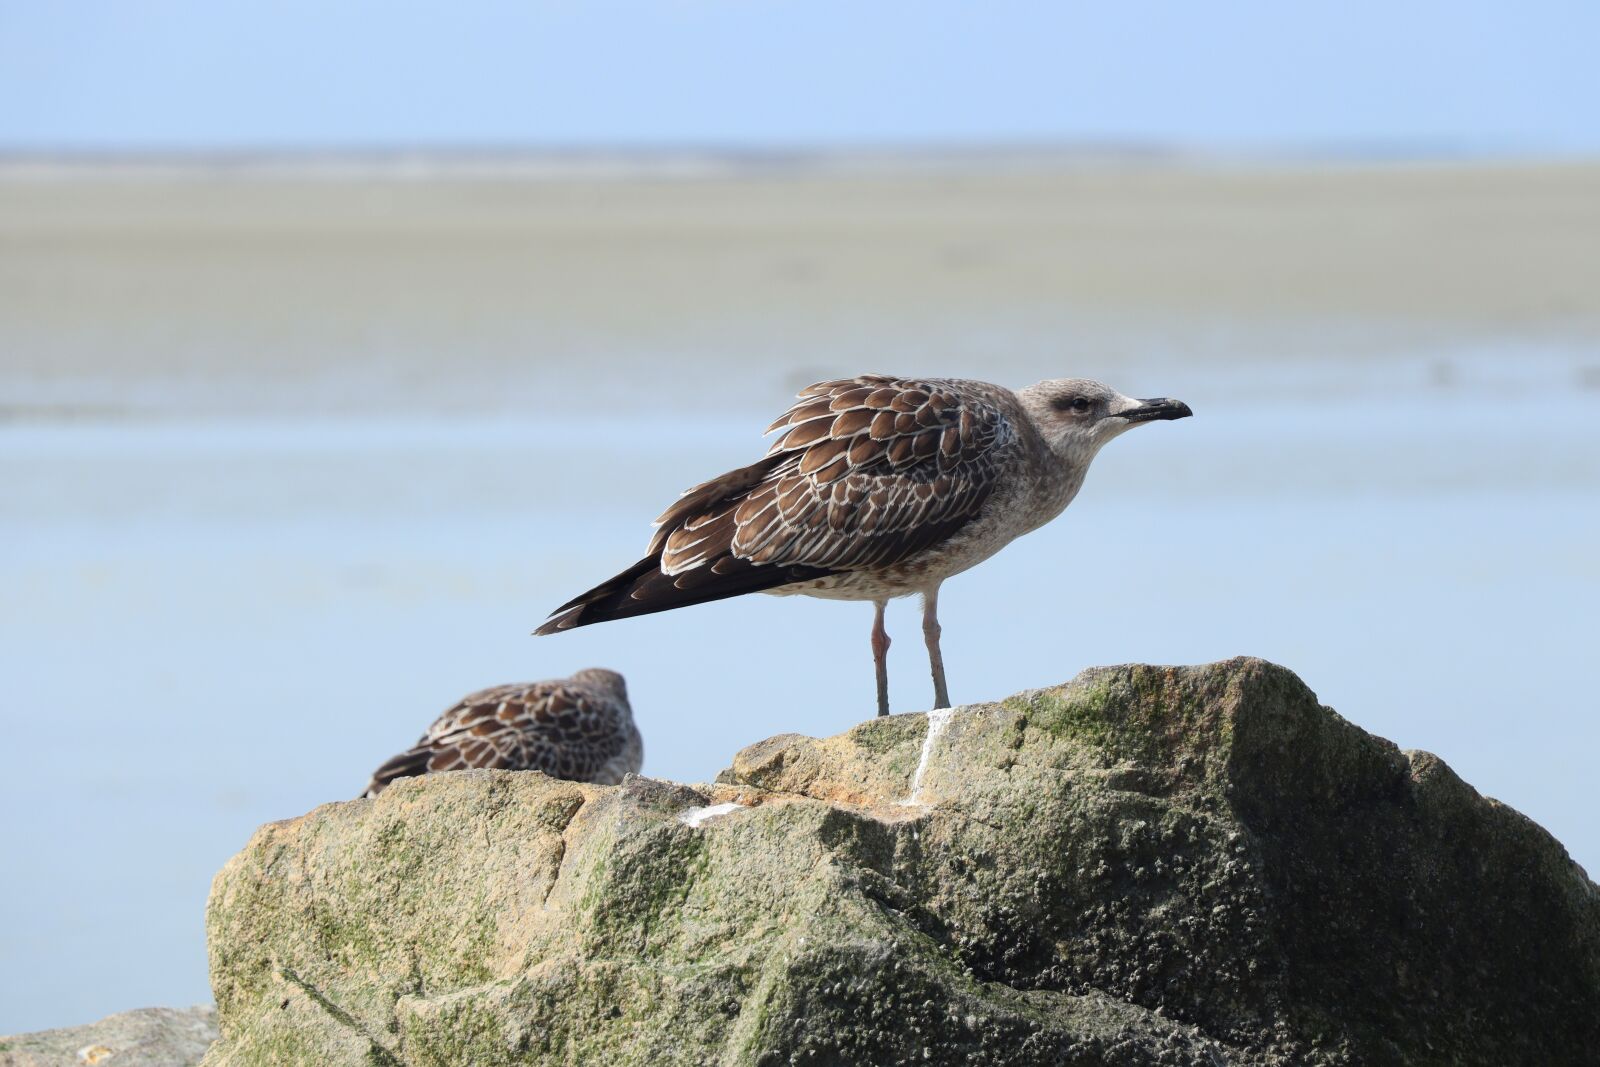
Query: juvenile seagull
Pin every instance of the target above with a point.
(878, 487)
(579, 728)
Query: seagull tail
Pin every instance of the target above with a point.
(643, 589)
(408, 764)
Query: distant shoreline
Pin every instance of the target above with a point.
(494, 283)
(691, 161)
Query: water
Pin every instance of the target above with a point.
(276, 494)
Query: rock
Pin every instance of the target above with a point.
(149, 1037)
(1187, 866)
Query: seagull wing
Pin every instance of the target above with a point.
(866, 472)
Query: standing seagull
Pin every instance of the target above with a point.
(878, 487)
(579, 728)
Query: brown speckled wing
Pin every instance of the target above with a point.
(865, 473)
(552, 727)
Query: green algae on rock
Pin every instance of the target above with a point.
(1147, 865)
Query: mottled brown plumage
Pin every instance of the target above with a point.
(580, 728)
(867, 473)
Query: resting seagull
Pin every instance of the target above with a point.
(878, 487)
(580, 728)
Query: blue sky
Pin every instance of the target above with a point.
(1363, 75)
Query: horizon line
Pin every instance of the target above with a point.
(699, 158)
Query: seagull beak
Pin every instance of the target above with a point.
(1158, 408)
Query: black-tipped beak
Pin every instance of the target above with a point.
(1157, 408)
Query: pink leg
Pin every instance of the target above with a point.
(930, 634)
(880, 655)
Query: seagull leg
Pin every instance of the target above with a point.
(930, 634)
(880, 655)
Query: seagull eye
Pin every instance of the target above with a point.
(1078, 405)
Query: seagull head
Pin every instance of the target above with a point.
(608, 682)
(1076, 416)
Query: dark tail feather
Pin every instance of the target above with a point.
(406, 765)
(643, 590)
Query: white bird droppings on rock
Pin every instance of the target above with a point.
(695, 816)
(938, 719)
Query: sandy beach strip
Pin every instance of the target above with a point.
(242, 284)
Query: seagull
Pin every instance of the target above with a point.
(876, 487)
(580, 728)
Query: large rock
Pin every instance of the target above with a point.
(1145, 866)
(149, 1037)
